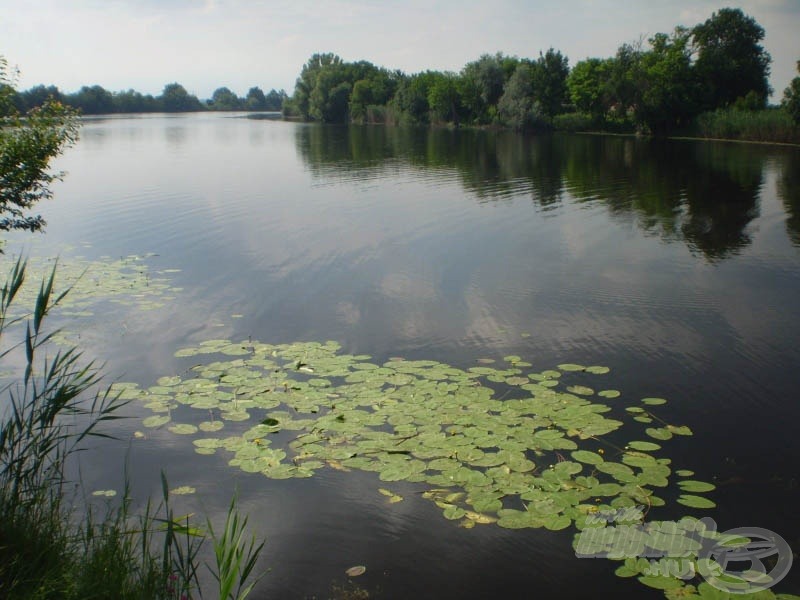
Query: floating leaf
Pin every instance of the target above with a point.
(584, 456)
(596, 370)
(695, 501)
(644, 446)
(659, 433)
(571, 367)
(609, 394)
(156, 421)
(183, 490)
(105, 493)
(691, 485)
(581, 390)
(653, 401)
(356, 571)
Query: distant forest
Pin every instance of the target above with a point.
(710, 80)
(672, 82)
(95, 100)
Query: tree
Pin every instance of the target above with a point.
(175, 98)
(443, 97)
(730, 59)
(255, 99)
(516, 107)
(28, 142)
(305, 84)
(665, 91)
(550, 82)
(94, 100)
(225, 99)
(791, 98)
(588, 85)
(481, 85)
(275, 100)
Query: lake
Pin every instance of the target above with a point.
(676, 264)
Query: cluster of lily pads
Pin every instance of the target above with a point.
(494, 443)
(125, 280)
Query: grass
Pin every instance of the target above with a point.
(52, 543)
(770, 125)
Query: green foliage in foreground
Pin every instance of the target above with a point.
(28, 142)
(48, 550)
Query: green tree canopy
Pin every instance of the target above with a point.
(516, 107)
(28, 142)
(588, 85)
(224, 99)
(730, 58)
(550, 82)
(175, 98)
(791, 97)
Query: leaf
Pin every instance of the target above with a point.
(691, 485)
(644, 446)
(654, 401)
(571, 367)
(596, 370)
(156, 421)
(659, 433)
(584, 456)
(695, 501)
(356, 571)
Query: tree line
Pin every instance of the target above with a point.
(96, 100)
(656, 87)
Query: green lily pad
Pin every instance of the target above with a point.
(695, 501)
(156, 421)
(690, 485)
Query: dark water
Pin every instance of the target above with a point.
(675, 263)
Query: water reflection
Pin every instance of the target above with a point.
(704, 195)
(789, 192)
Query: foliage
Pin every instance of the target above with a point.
(224, 99)
(444, 99)
(235, 556)
(731, 62)
(28, 142)
(550, 82)
(516, 106)
(665, 91)
(791, 98)
(588, 85)
(175, 98)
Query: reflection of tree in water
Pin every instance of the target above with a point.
(702, 193)
(789, 191)
(705, 194)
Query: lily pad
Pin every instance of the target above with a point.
(695, 501)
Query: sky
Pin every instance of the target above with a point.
(206, 44)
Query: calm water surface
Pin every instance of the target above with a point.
(677, 264)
